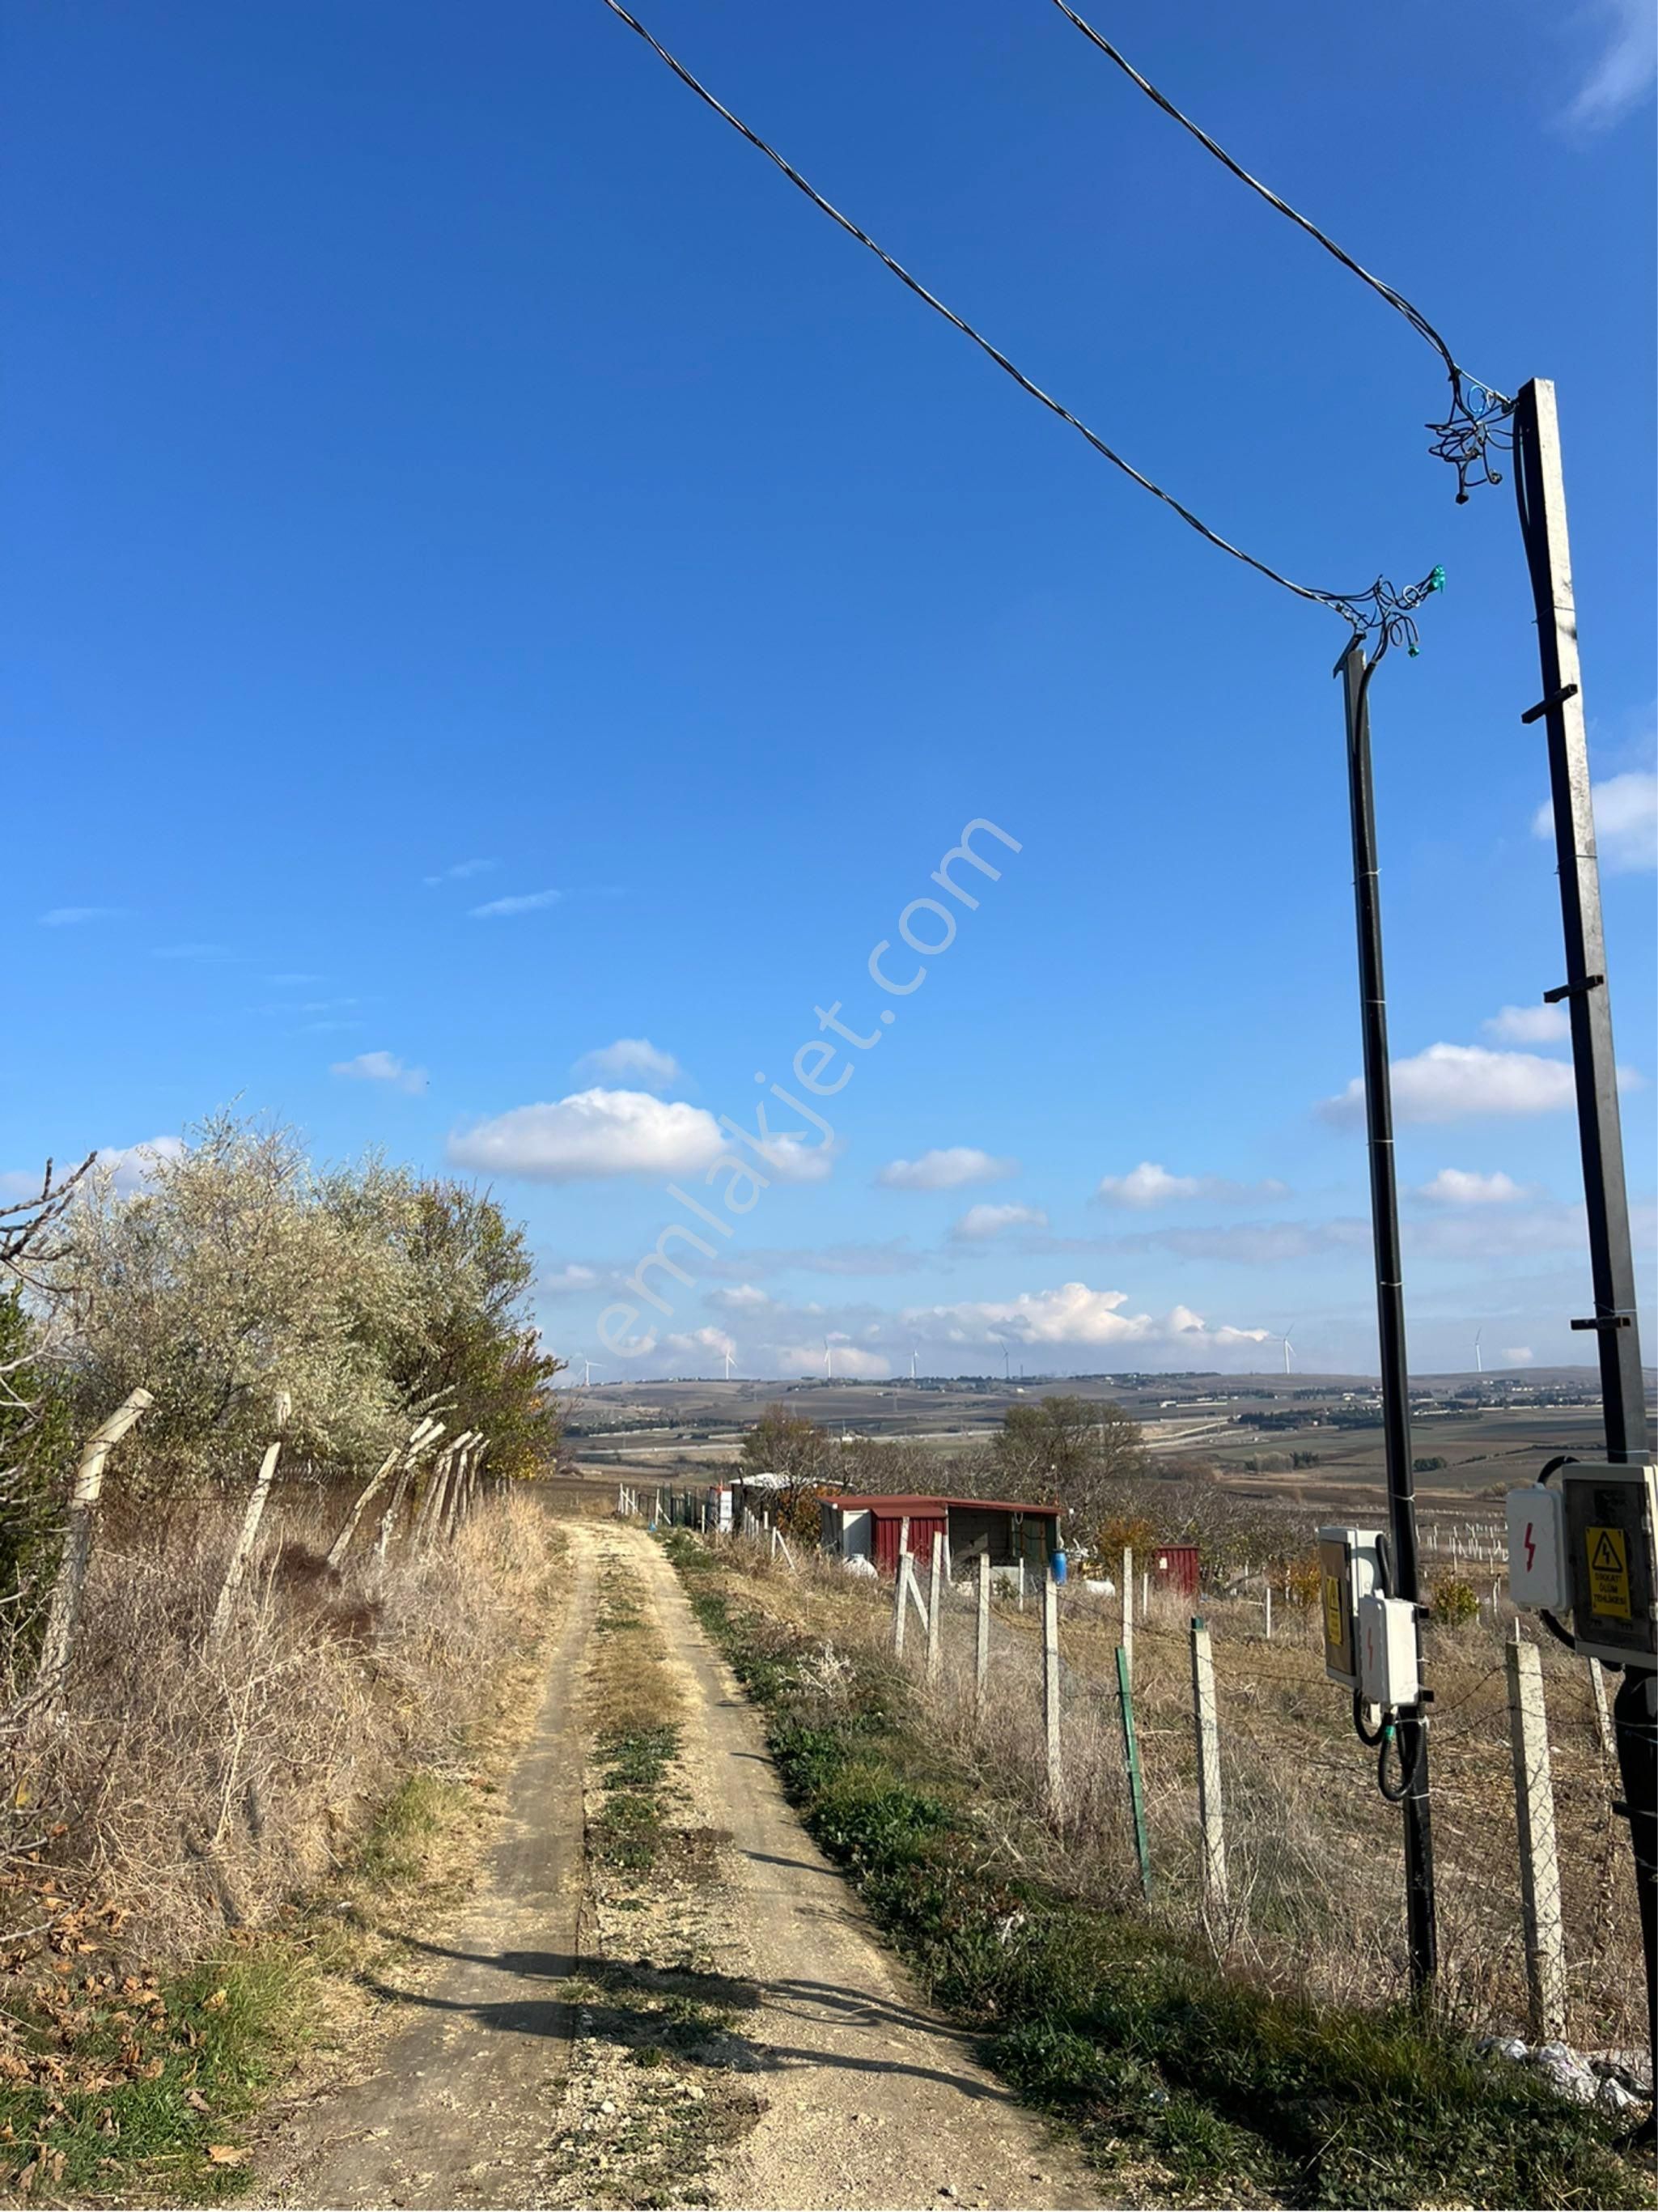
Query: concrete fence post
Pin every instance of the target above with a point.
(1211, 1817)
(935, 1642)
(1128, 1604)
(63, 1609)
(1051, 1687)
(1539, 1869)
(981, 1656)
(247, 1536)
(1602, 1718)
(900, 1604)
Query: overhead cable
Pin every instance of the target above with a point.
(1380, 609)
(1479, 410)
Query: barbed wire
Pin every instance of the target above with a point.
(1382, 611)
(1477, 423)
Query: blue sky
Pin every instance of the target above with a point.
(502, 583)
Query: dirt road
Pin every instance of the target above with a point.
(725, 2029)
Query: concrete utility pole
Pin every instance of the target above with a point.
(1539, 488)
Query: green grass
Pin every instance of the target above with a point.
(129, 2097)
(628, 1831)
(1109, 2021)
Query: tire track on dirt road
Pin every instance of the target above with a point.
(871, 2098)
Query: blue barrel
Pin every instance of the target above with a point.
(1058, 1564)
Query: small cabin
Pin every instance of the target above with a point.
(1173, 1567)
(882, 1529)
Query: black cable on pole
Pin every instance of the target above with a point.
(1380, 609)
(1479, 412)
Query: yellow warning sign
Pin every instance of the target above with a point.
(1609, 1572)
(1336, 1613)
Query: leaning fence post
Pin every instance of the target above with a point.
(426, 1435)
(1540, 1869)
(934, 1624)
(1603, 1718)
(431, 1502)
(246, 1539)
(1051, 1684)
(65, 1604)
(1132, 1761)
(1210, 1816)
(981, 1660)
(366, 1496)
(900, 1602)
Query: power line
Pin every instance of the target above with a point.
(1479, 410)
(1380, 609)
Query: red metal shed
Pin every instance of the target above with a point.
(1175, 1567)
(1010, 1529)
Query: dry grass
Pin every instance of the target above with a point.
(192, 1788)
(1315, 1879)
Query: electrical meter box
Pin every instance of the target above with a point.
(1611, 1519)
(1537, 1549)
(1349, 1569)
(1388, 1671)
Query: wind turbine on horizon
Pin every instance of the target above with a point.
(586, 1369)
(1479, 1362)
(912, 1363)
(728, 1367)
(828, 1361)
(1288, 1349)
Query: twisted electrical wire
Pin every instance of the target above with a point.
(1479, 412)
(1381, 609)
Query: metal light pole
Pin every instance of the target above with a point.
(1539, 487)
(1404, 1565)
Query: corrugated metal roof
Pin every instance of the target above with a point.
(885, 1507)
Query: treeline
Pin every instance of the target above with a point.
(1088, 1454)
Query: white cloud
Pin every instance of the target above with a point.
(1466, 1187)
(980, 1221)
(381, 1067)
(1517, 1355)
(520, 902)
(67, 917)
(1537, 1025)
(714, 1341)
(949, 1169)
(635, 1060)
(795, 1159)
(460, 872)
(742, 1298)
(808, 1359)
(1622, 75)
(1151, 1184)
(1625, 822)
(1073, 1313)
(131, 1167)
(571, 1276)
(592, 1133)
(1453, 1082)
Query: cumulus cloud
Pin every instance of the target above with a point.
(1622, 74)
(1516, 1355)
(68, 917)
(1151, 1184)
(1625, 822)
(571, 1276)
(982, 1221)
(741, 1297)
(460, 872)
(1242, 1243)
(631, 1059)
(1466, 1187)
(131, 1167)
(591, 1134)
(808, 1359)
(949, 1169)
(1456, 1082)
(381, 1067)
(1538, 1025)
(714, 1341)
(520, 902)
(798, 1159)
(1074, 1314)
